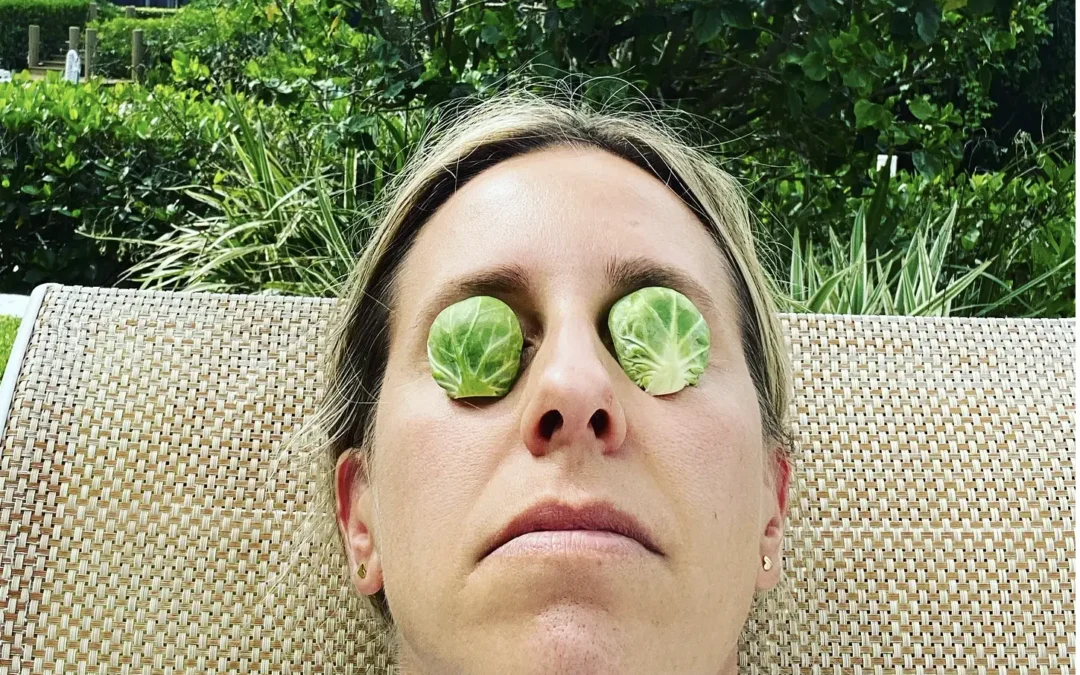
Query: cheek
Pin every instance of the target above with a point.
(713, 462)
(430, 476)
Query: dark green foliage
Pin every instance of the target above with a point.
(220, 40)
(90, 158)
(975, 99)
(797, 97)
(53, 16)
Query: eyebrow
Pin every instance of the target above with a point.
(623, 276)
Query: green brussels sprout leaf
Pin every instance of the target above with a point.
(474, 347)
(661, 339)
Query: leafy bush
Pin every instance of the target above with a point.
(223, 40)
(9, 326)
(53, 16)
(287, 219)
(80, 159)
(290, 222)
(1020, 217)
(1024, 217)
(847, 284)
(149, 12)
(800, 100)
(113, 58)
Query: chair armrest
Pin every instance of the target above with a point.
(18, 352)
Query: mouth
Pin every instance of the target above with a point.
(554, 527)
(571, 543)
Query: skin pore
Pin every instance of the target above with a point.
(449, 474)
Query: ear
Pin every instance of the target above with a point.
(354, 517)
(774, 507)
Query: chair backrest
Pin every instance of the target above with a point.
(931, 527)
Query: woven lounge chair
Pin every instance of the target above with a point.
(931, 525)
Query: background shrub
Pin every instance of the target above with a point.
(9, 326)
(54, 17)
(88, 158)
(798, 98)
(221, 39)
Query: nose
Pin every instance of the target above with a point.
(572, 401)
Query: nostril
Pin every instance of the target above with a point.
(599, 422)
(550, 422)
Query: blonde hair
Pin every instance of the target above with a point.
(459, 148)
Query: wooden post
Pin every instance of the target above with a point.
(129, 12)
(33, 57)
(91, 15)
(91, 50)
(73, 38)
(137, 54)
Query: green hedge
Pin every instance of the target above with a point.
(54, 17)
(222, 39)
(113, 58)
(90, 158)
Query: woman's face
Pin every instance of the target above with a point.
(450, 474)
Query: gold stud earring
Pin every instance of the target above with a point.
(362, 571)
(768, 564)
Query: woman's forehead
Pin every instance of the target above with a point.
(563, 221)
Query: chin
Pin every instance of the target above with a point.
(573, 637)
(522, 591)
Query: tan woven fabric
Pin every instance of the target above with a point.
(931, 527)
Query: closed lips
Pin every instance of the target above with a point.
(598, 516)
